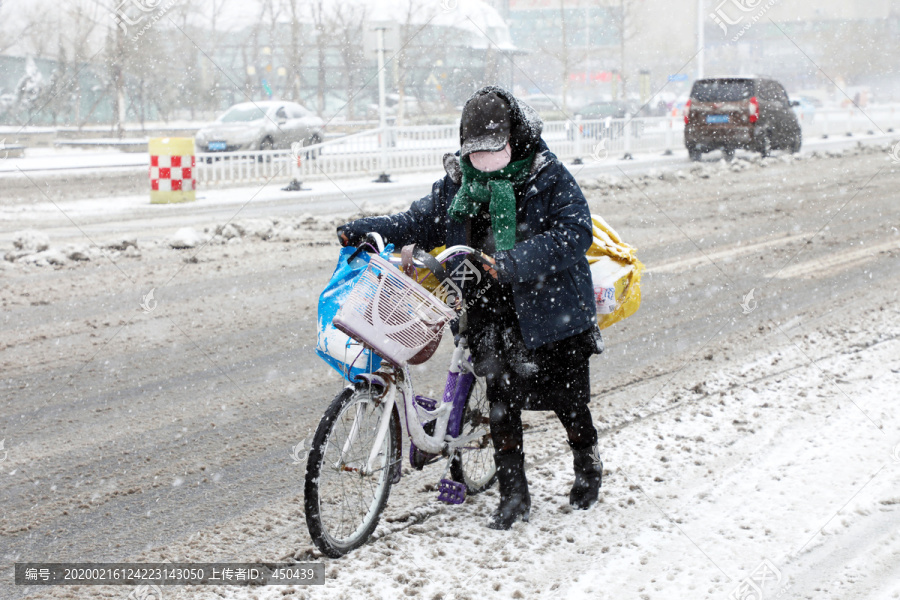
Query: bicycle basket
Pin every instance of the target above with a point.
(392, 313)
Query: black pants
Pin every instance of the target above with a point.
(554, 377)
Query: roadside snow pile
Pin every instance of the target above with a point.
(44, 258)
(186, 237)
(604, 183)
(293, 229)
(123, 244)
(32, 247)
(274, 229)
(31, 240)
(608, 184)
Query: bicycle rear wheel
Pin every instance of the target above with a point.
(343, 502)
(473, 464)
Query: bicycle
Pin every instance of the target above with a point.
(356, 453)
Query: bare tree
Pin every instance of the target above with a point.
(626, 22)
(419, 44)
(406, 54)
(59, 99)
(36, 37)
(294, 65)
(249, 54)
(320, 22)
(83, 26)
(566, 67)
(8, 36)
(561, 50)
(347, 22)
(212, 77)
(116, 56)
(272, 9)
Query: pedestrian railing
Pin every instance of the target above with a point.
(851, 120)
(421, 148)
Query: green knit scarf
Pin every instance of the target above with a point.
(498, 189)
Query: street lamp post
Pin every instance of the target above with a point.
(383, 177)
(700, 41)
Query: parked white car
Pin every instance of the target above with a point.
(260, 126)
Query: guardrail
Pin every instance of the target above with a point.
(369, 153)
(849, 121)
(421, 148)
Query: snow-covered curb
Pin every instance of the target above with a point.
(34, 247)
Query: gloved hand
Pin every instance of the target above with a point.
(343, 238)
(490, 268)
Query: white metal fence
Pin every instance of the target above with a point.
(368, 153)
(421, 148)
(875, 120)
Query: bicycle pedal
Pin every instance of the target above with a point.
(426, 403)
(451, 492)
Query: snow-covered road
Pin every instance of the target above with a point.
(733, 437)
(779, 471)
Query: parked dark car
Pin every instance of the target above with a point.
(748, 113)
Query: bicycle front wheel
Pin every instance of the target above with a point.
(474, 464)
(344, 498)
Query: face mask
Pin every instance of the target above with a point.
(491, 161)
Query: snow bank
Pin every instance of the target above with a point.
(31, 240)
(608, 184)
(186, 237)
(32, 247)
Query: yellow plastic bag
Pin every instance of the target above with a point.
(616, 272)
(425, 277)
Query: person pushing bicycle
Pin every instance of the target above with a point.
(533, 329)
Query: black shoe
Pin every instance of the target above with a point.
(588, 476)
(515, 501)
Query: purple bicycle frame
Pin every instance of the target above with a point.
(456, 390)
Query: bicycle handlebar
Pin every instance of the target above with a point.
(375, 239)
(461, 249)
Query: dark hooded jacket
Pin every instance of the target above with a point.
(547, 269)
